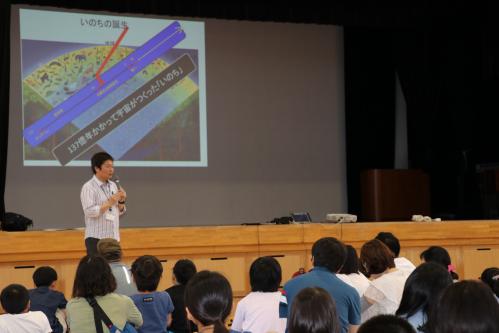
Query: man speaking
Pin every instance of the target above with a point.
(103, 202)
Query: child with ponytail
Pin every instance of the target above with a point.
(208, 299)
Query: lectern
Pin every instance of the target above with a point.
(394, 194)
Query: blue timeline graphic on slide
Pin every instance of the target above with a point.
(142, 100)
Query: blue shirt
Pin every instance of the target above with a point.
(48, 301)
(155, 308)
(346, 297)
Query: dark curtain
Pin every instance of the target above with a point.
(439, 70)
(448, 69)
(369, 106)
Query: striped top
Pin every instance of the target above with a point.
(94, 194)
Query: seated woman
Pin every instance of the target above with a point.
(313, 311)
(439, 255)
(421, 292)
(350, 274)
(95, 279)
(208, 299)
(387, 282)
(465, 307)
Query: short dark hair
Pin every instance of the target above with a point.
(391, 241)
(93, 277)
(98, 159)
(465, 307)
(440, 256)
(183, 270)
(490, 276)
(265, 274)
(386, 324)
(313, 311)
(14, 298)
(376, 257)
(351, 264)
(208, 296)
(44, 276)
(423, 288)
(147, 271)
(330, 253)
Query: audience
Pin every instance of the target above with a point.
(208, 299)
(350, 274)
(440, 256)
(18, 319)
(156, 306)
(387, 282)
(313, 311)
(110, 249)
(45, 298)
(393, 244)
(95, 279)
(421, 292)
(328, 256)
(465, 307)
(490, 277)
(183, 270)
(326, 299)
(259, 310)
(386, 324)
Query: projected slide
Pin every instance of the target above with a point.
(134, 87)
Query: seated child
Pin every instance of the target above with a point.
(386, 323)
(183, 270)
(45, 298)
(208, 301)
(259, 310)
(18, 318)
(156, 306)
(490, 276)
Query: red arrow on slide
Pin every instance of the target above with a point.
(115, 46)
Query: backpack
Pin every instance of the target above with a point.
(15, 222)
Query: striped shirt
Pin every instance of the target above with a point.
(94, 194)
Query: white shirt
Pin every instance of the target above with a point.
(404, 264)
(28, 322)
(386, 292)
(94, 194)
(356, 280)
(258, 312)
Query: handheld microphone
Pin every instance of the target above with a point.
(117, 182)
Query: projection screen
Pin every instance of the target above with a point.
(209, 121)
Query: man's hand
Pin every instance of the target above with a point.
(122, 194)
(114, 199)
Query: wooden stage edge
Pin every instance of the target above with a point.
(472, 245)
(210, 240)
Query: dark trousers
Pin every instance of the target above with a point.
(91, 245)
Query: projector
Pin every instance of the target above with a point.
(341, 218)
